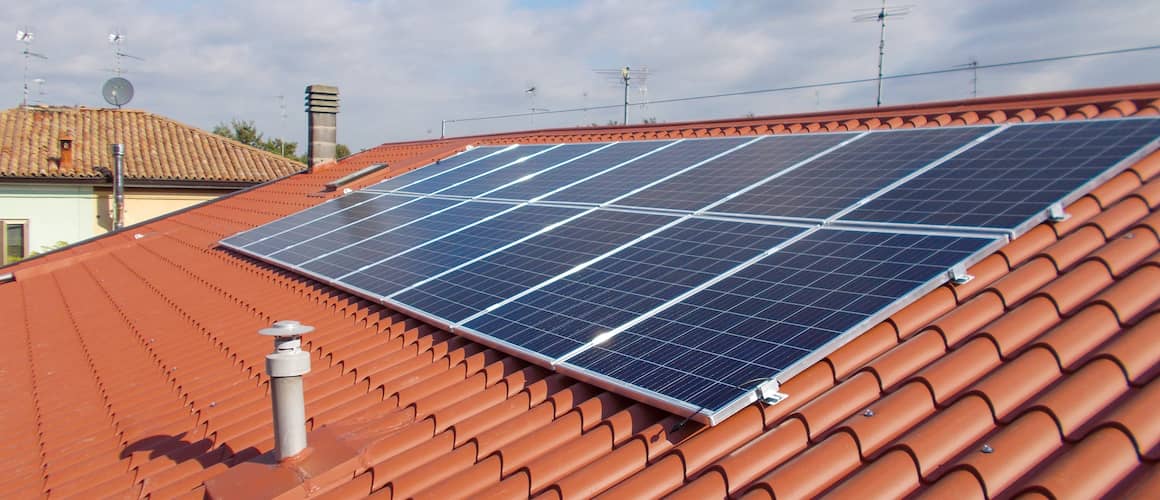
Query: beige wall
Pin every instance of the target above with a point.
(142, 204)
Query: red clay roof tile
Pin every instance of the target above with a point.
(896, 364)
(154, 338)
(812, 471)
(1090, 469)
(1014, 450)
(948, 375)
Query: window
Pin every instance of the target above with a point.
(14, 240)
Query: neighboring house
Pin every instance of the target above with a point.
(132, 366)
(56, 181)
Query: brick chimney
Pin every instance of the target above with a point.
(322, 116)
(66, 150)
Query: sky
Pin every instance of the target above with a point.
(404, 67)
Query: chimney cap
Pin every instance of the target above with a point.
(319, 88)
(286, 328)
(66, 136)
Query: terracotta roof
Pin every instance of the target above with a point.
(156, 148)
(132, 366)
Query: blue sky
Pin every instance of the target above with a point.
(402, 67)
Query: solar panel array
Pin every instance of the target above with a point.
(695, 275)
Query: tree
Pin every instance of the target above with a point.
(246, 133)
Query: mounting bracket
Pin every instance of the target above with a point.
(1056, 213)
(959, 276)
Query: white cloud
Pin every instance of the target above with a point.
(404, 66)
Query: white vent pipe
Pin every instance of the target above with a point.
(286, 366)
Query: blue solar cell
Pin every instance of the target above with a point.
(550, 180)
(532, 166)
(388, 234)
(619, 181)
(568, 313)
(433, 169)
(333, 221)
(294, 220)
(422, 262)
(461, 293)
(717, 179)
(471, 170)
(718, 344)
(830, 184)
(359, 231)
(1013, 176)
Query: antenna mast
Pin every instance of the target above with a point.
(117, 39)
(26, 36)
(625, 76)
(282, 132)
(530, 90)
(974, 65)
(868, 15)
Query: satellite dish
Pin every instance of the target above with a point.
(117, 91)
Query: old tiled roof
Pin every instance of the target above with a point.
(156, 148)
(132, 366)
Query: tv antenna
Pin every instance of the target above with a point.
(974, 65)
(626, 76)
(282, 132)
(26, 37)
(40, 91)
(117, 40)
(530, 90)
(879, 16)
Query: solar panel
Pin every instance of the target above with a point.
(361, 230)
(717, 179)
(290, 222)
(434, 169)
(502, 159)
(1005, 181)
(618, 182)
(465, 291)
(453, 250)
(567, 313)
(530, 167)
(572, 257)
(582, 168)
(713, 348)
(278, 241)
(386, 236)
(827, 185)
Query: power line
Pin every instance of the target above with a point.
(835, 83)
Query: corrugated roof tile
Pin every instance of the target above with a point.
(1014, 450)
(1136, 416)
(1090, 469)
(834, 405)
(889, 417)
(812, 471)
(950, 374)
(427, 404)
(959, 484)
(1022, 324)
(896, 364)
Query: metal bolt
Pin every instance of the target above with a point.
(987, 449)
(868, 413)
(213, 404)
